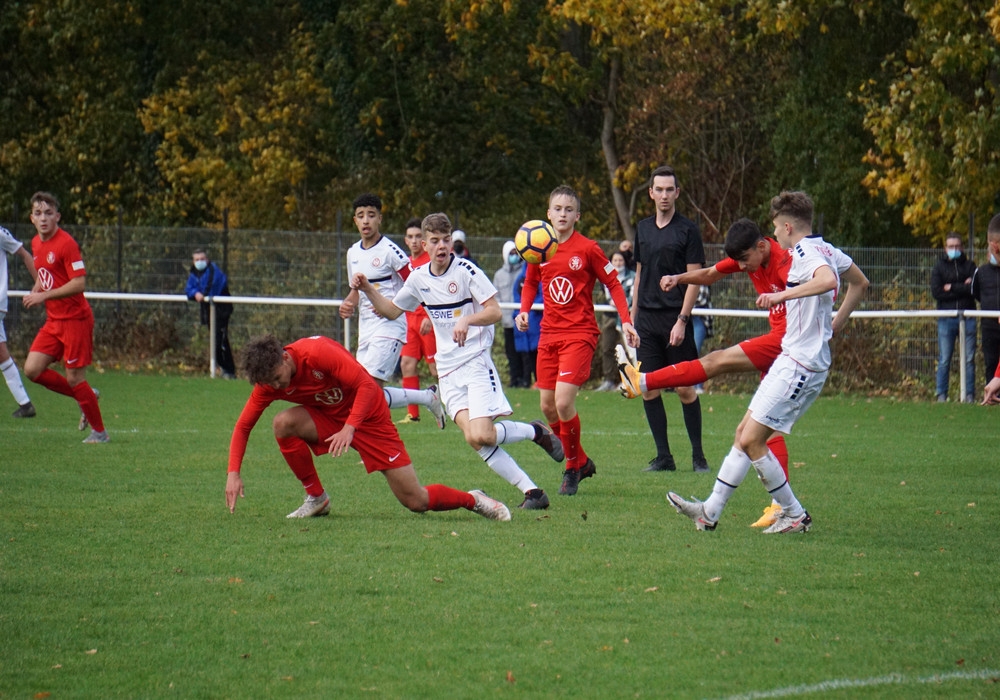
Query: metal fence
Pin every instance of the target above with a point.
(883, 354)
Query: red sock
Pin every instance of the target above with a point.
(441, 497)
(84, 395)
(780, 450)
(682, 374)
(53, 381)
(570, 436)
(412, 383)
(299, 456)
(556, 428)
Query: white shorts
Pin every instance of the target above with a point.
(3, 333)
(474, 386)
(379, 356)
(785, 393)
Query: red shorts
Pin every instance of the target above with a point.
(564, 361)
(418, 346)
(763, 350)
(71, 341)
(376, 441)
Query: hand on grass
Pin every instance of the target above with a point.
(234, 488)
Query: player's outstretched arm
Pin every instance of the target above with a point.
(706, 276)
(858, 284)
(234, 489)
(823, 281)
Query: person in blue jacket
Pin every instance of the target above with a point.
(526, 342)
(208, 280)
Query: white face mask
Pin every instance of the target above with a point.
(621, 270)
(200, 265)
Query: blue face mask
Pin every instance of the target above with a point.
(953, 254)
(993, 260)
(200, 265)
(513, 258)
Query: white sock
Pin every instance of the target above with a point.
(504, 465)
(731, 474)
(13, 377)
(398, 398)
(511, 431)
(773, 478)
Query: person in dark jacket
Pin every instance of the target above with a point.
(526, 342)
(986, 290)
(951, 286)
(208, 280)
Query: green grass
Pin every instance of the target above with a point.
(122, 574)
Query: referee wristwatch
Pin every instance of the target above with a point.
(684, 318)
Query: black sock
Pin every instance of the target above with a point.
(692, 421)
(656, 416)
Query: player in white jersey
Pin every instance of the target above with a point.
(381, 339)
(462, 304)
(797, 375)
(9, 244)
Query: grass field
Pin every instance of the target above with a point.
(122, 574)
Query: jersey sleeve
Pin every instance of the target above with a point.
(8, 243)
(407, 298)
(481, 287)
(608, 276)
(530, 288)
(73, 259)
(251, 413)
(727, 266)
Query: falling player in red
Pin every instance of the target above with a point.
(569, 328)
(338, 405)
(68, 332)
(420, 341)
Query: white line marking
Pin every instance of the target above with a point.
(890, 679)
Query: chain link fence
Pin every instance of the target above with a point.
(875, 356)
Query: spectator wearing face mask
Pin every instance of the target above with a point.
(460, 246)
(208, 280)
(951, 286)
(503, 280)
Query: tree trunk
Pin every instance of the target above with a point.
(611, 153)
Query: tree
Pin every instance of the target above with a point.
(936, 125)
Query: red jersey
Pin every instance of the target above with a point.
(415, 318)
(327, 377)
(58, 261)
(568, 290)
(767, 279)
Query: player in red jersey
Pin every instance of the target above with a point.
(68, 332)
(569, 328)
(339, 406)
(767, 264)
(420, 342)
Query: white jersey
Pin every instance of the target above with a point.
(8, 244)
(381, 265)
(809, 319)
(459, 291)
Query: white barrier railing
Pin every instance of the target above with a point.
(745, 313)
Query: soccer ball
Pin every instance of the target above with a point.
(536, 241)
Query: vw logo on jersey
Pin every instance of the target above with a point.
(576, 263)
(561, 290)
(45, 278)
(452, 288)
(317, 375)
(50, 258)
(331, 397)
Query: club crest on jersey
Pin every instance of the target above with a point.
(317, 375)
(50, 257)
(561, 290)
(376, 262)
(576, 263)
(331, 397)
(452, 288)
(45, 278)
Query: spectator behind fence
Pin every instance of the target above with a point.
(951, 286)
(206, 279)
(503, 280)
(461, 247)
(526, 341)
(611, 326)
(986, 290)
